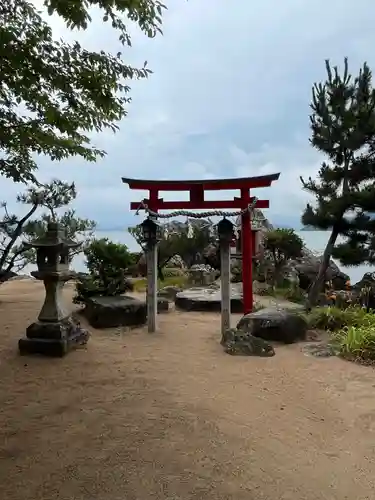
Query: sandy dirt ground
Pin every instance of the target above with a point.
(134, 416)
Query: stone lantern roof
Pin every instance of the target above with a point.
(55, 237)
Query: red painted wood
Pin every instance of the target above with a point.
(153, 201)
(207, 185)
(247, 258)
(197, 202)
(205, 205)
(197, 194)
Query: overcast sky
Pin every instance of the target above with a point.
(229, 97)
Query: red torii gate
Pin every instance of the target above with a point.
(196, 201)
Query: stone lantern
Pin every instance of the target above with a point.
(55, 332)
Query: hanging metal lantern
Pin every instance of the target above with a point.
(151, 231)
(225, 230)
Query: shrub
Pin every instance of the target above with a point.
(171, 272)
(333, 318)
(328, 318)
(282, 245)
(357, 342)
(353, 330)
(106, 263)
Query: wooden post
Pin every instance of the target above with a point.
(247, 258)
(152, 301)
(225, 286)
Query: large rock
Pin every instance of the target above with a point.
(363, 292)
(202, 275)
(110, 312)
(208, 299)
(367, 281)
(6, 276)
(177, 261)
(277, 324)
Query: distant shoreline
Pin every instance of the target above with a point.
(313, 240)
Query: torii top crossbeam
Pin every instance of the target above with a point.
(197, 188)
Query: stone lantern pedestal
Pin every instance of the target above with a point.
(55, 332)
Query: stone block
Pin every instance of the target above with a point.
(53, 339)
(111, 312)
(282, 325)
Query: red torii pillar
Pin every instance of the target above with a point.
(196, 201)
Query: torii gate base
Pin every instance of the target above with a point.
(196, 201)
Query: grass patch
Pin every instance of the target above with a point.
(288, 293)
(180, 281)
(352, 330)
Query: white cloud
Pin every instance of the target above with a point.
(229, 97)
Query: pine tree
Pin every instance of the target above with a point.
(343, 128)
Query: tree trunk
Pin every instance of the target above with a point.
(160, 273)
(319, 281)
(16, 234)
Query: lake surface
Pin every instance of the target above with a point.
(314, 240)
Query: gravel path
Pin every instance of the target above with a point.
(170, 416)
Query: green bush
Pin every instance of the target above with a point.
(107, 263)
(357, 342)
(172, 272)
(353, 330)
(330, 318)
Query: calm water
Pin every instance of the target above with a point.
(314, 240)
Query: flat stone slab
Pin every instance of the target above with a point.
(169, 292)
(111, 312)
(208, 299)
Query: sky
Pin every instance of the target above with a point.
(229, 97)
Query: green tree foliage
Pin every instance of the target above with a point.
(103, 257)
(283, 245)
(52, 93)
(107, 263)
(179, 240)
(343, 128)
(44, 202)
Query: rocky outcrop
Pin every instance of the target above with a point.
(281, 325)
(307, 268)
(202, 274)
(304, 270)
(177, 261)
(368, 280)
